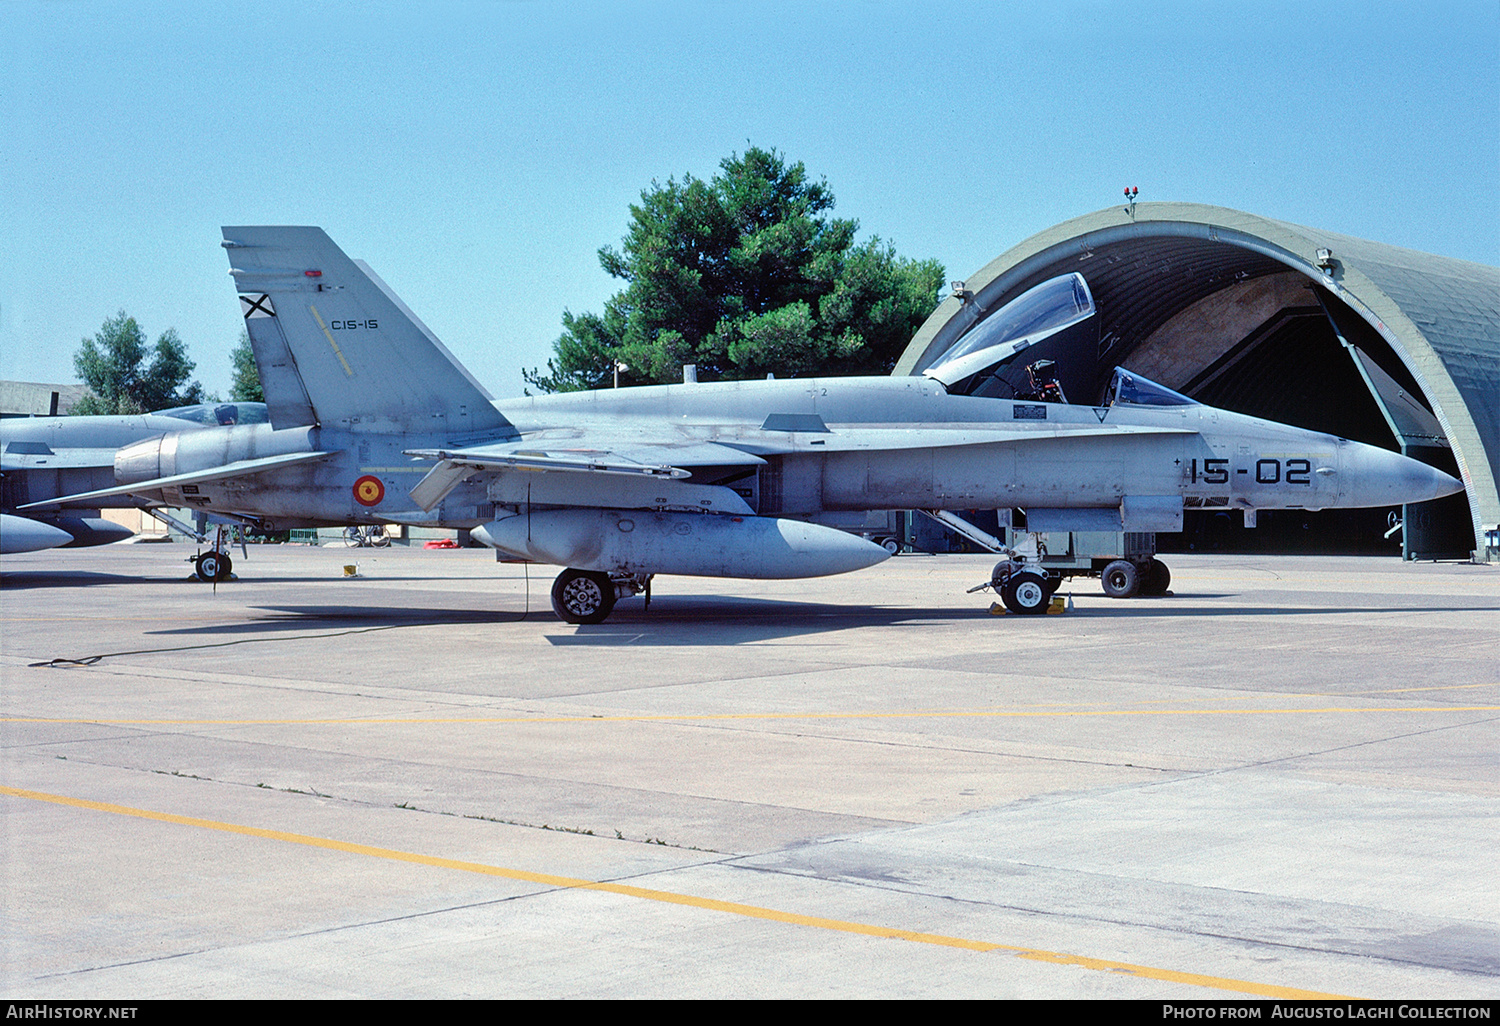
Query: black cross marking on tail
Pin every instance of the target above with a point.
(261, 305)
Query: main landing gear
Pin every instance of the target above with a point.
(589, 596)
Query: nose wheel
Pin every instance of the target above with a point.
(1025, 593)
(213, 566)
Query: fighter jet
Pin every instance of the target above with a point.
(372, 420)
(44, 458)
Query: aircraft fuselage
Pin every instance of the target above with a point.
(826, 445)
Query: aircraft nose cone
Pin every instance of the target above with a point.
(1379, 477)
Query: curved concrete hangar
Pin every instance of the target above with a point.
(1307, 327)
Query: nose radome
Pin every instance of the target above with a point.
(1379, 477)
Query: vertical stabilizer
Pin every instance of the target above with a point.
(336, 347)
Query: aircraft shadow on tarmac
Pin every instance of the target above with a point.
(679, 620)
(29, 579)
(715, 620)
(34, 579)
(273, 619)
(683, 620)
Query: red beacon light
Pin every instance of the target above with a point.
(313, 274)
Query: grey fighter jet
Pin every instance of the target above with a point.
(44, 458)
(373, 420)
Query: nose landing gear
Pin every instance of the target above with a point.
(1022, 582)
(215, 564)
(212, 566)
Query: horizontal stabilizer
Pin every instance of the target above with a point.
(239, 468)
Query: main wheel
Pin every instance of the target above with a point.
(1120, 579)
(213, 566)
(583, 596)
(1025, 593)
(1156, 579)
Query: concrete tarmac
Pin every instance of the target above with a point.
(1281, 780)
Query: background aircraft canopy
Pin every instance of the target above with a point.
(222, 414)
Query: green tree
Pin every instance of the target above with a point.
(244, 387)
(744, 275)
(114, 365)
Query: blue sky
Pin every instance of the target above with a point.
(479, 154)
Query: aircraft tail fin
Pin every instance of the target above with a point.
(335, 346)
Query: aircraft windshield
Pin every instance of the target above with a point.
(219, 413)
(1131, 389)
(1032, 316)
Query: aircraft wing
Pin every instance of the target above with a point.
(576, 455)
(240, 468)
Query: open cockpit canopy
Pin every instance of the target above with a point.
(1036, 314)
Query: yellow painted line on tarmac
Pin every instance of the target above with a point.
(691, 901)
(1403, 691)
(718, 717)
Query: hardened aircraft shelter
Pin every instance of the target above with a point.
(1308, 327)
